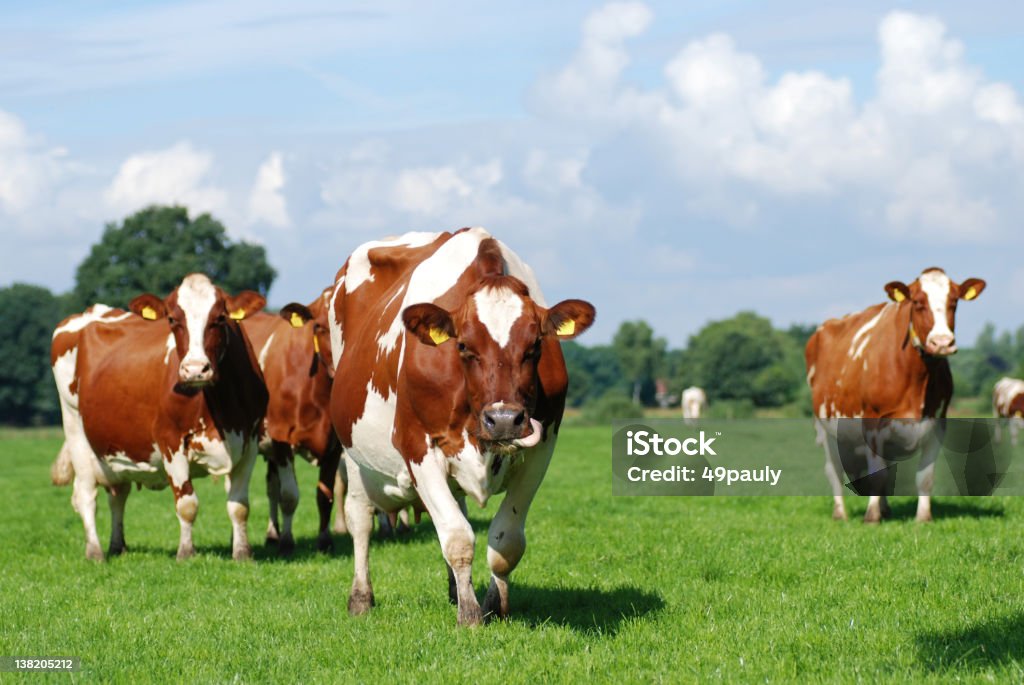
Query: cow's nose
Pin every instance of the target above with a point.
(943, 344)
(195, 371)
(503, 421)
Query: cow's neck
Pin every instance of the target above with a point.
(931, 374)
(239, 395)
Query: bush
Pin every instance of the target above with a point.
(604, 410)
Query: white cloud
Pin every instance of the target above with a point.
(176, 175)
(266, 202)
(29, 172)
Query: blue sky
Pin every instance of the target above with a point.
(677, 162)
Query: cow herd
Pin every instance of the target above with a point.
(432, 364)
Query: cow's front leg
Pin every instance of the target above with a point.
(926, 478)
(454, 531)
(325, 496)
(878, 477)
(274, 502)
(186, 504)
(237, 486)
(359, 516)
(506, 539)
(284, 458)
(117, 497)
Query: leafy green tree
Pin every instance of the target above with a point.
(153, 249)
(641, 356)
(29, 314)
(593, 372)
(744, 358)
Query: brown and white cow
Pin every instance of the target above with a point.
(886, 363)
(1008, 407)
(294, 352)
(155, 395)
(454, 383)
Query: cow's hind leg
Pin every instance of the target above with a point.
(83, 498)
(117, 496)
(340, 479)
(274, 502)
(453, 531)
(926, 479)
(284, 458)
(325, 496)
(506, 539)
(833, 469)
(359, 516)
(237, 486)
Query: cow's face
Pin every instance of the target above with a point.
(498, 335)
(199, 315)
(932, 299)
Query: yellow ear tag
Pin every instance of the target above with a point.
(438, 336)
(898, 295)
(971, 293)
(567, 327)
(297, 321)
(238, 314)
(1019, 415)
(149, 313)
(316, 345)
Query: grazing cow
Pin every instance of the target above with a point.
(883, 364)
(155, 395)
(294, 352)
(694, 402)
(1008, 403)
(454, 383)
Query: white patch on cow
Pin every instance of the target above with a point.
(810, 374)
(1006, 389)
(196, 297)
(498, 309)
(856, 345)
(359, 268)
(822, 411)
(936, 285)
(170, 348)
(213, 456)
(97, 312)
(334, 324)
(515, 266)
(382, 466)
(265, 351)
(860, 348)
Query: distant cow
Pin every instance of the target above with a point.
(885, 363)
(294, 352)
(1008, 404)
(454, 381)
(694, 402)
(155, 395)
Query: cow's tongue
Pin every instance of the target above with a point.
(533, 438)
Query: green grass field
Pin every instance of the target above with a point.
(610, 590)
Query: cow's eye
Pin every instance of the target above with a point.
(462, 347)
(222, 318)
(171, 320)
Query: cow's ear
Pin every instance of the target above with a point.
(245, 303)
(971, 288)
(149, 307)
(430, 323)
(296, 314)
(568, 319)
(897, 291)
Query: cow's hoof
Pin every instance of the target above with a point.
(272, 536)
(403, 529)
(492, 604)
(453, 590)
(924, 518)
(470, 616)
(116, 550)
(872, 518)
(93, 553)
(839, 514)
(286, 546)
(324, 542)
(359, 602)
(242, 553)
(185, 553)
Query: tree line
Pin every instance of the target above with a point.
(743, 362)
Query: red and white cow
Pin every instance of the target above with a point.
(695, 403)
(154, 395)
(294, 352)
(454, 382)
(1008, 406)
(886, 363)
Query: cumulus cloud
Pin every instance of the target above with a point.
(29, 171)
(176, 175)
(922, 156)
(267, 203)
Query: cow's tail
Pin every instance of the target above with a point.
(62, 470)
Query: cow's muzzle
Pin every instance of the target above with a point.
(195, 372)
(940, 345)
(507, 422)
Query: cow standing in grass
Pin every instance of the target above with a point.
(454, 382)
(153, 396)
(886, 363)
(1008, 406)
(294, 352)
(695, 403)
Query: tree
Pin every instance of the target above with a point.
(640, 355)
(593, 372)
(29, 314)
(153, 249)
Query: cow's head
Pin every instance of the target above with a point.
(932, 300)
(498, 334)
(200, 315)
(313, 320)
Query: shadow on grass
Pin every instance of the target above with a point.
(995, 643)
(585, 610)
(906, 508)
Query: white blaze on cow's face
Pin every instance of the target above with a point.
(196, 301)
(932, 299)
